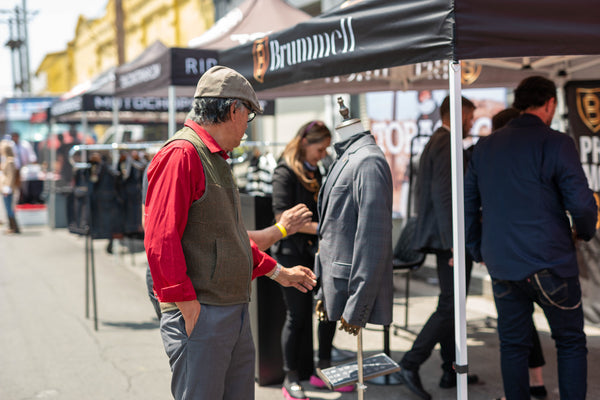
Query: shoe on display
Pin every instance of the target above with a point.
(318, 383)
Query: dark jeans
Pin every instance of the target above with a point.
(439, 328)
(560, 298)
(536, 357)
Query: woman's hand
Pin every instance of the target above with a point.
(295, 218)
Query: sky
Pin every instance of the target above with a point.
(50, 29)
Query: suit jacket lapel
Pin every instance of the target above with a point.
(334, 174)
(332, 177)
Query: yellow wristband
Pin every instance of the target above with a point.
(281, 229)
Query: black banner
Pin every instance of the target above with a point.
(357, 36)
(188, 65)
(91, 102)
(368, 35)
(159, 67)
(583, 101)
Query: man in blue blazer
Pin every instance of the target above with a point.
(527, 201)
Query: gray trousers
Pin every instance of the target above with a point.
(217, 360)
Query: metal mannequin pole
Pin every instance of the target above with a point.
(361, 387)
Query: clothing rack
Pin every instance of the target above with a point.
(113, 147)
(90, 272)
(253, 143)
(260, 143)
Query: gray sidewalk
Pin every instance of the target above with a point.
(49, 349)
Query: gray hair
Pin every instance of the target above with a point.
(211, 110)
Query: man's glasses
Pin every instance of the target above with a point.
(251, 114)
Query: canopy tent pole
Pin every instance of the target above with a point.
(84, 127)
(115, 121)
(458, 230)
(115, 111)
(172, 111)
(561, 104)
(50, 177)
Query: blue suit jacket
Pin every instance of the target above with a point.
(520, 183)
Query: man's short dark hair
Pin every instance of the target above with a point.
(445, 107)
(210, 110)
(534, 91)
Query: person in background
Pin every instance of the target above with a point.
(9, 184)
(536, 357)
(198, 249)
(527, 201)
(24, 153)
(297, 179)
(433, 234)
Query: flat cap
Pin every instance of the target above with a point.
(223, 82)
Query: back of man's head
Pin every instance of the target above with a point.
(445, 106)
(533, 92)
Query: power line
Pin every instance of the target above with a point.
(18, 43)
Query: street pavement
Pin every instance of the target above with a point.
(49, 349)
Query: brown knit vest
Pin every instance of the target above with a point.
(215, 242)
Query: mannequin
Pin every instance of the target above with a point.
(349, 126)
(354, 261)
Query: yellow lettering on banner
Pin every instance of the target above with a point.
(260, 55)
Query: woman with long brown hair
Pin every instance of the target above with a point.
(297, 179)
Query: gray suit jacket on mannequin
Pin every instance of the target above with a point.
(354, 261)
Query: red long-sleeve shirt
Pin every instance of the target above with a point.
(175, 180)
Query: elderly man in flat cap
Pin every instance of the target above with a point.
(200, 256)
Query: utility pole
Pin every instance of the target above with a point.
(120, 32)
(18, 42)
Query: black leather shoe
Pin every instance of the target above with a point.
(412, 380)
(448, 379)
(539, 392)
